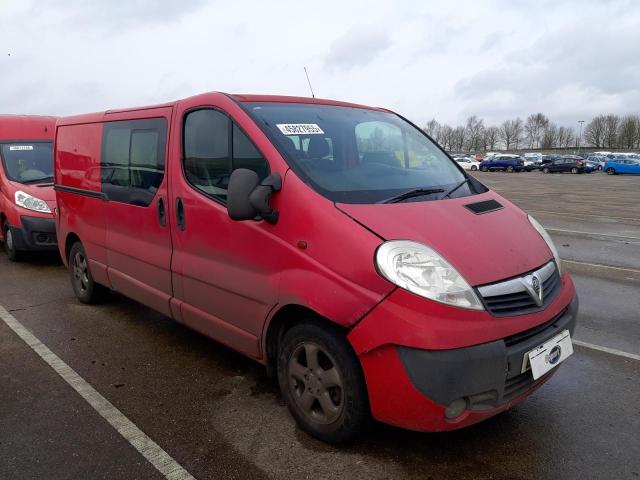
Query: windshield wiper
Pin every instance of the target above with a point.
(416, 192)
(449, 192)
(38, 180)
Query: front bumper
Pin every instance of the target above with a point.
(412, 379)
(36, 234)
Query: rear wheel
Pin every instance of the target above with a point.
(82, 281)
(9, 245)
(322, 382)
(473, 168)
(611, 171)
(510, 169)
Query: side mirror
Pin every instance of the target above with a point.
(248, 197)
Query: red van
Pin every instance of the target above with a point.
(27, 199)
(326, 240)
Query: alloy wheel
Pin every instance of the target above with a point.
(315, 383)
(80, 272)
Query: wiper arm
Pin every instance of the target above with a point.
(38, 180)
(416, 192)
(466, 180)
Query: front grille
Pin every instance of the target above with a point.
(532, 332)
(512, 297)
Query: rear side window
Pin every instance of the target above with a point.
(133, 158)
(214, 146)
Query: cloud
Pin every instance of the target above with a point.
(356, 48)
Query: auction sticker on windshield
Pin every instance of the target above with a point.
(548, 355)
(299, 128)
(20, 147)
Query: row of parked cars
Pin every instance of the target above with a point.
(611, 163)
(275, 226)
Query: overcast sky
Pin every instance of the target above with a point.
(496, 58)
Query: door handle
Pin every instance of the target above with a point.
(162, 213)
(180, 218)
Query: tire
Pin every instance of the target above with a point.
(611, 171)
(13, 254)
(545, 170)
(484, 169)
(510, 169)
(331, 407)
(473, 168)
(85, 288)
(574, 170)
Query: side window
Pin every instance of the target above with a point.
(132, 164)
(214, 146)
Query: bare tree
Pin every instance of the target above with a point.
(458, 138)
(474, 132)
(491, 137)
(594, 132)
(534, 129)
(611, 124)
(550, 136)
(510, 133)
(446, 137)
(432, 128)
(629, 131)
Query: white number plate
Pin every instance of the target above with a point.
(548, 355)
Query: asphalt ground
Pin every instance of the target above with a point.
(218, 415)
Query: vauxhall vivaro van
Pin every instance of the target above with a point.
(328, 241)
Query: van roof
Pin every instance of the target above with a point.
(26, 127)
(238, 97)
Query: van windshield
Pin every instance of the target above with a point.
(357, 155)
(28, 162)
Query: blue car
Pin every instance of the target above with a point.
(507, 163)
(618, 165)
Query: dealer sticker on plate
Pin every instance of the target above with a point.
(299, 128)
(548, 355)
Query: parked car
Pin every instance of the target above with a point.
(621, 165)
(507, 163)
(27, 199)
(276, 227)
(567, 163)
(467, 163)
(597, 160)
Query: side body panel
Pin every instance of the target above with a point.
(138, 246)
(81, 211)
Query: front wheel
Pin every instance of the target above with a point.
(574, 170)
(611, 171)
(545, 170)
(484, 169)
(85, 288)
(322, 382)
(9, 245)
(510, 169)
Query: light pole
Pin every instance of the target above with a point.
(580, 135)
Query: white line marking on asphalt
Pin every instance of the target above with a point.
(612, 351)
(585, 215)
(562, 230)
(599, 265)
(150, 450)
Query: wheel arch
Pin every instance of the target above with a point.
(72, 238)
(282, 320)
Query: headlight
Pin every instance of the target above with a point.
(30, 202)
(419, 269)
(545, 236)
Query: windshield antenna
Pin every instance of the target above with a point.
(309, 82)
